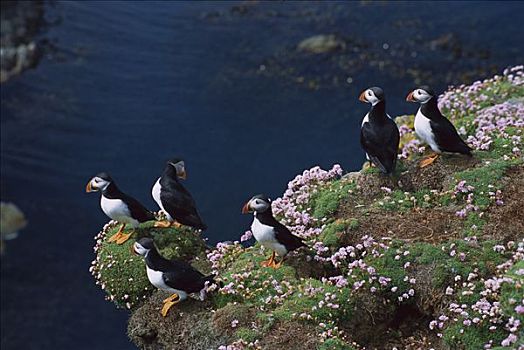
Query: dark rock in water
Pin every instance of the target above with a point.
(321, 44)
(21, 21)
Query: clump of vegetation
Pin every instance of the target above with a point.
(333, 232)
(327, 200)
(122, 274)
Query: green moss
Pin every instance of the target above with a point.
(334, 231)
(398, 200)
(246, 334)
(389, 266)
(335, 344)
(473, 224)
(122, 274)
(471, 338)
(302, 302)
(485, 179)
(257, 285)
(511, 293)
(326, 201)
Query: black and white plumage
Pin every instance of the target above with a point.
(174, 276)
(172, 197)
(268, 231)
(117, 205)
(432, 127)
(379, 135)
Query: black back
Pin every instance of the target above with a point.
(446, 135)
(380, 138)
(177, 201)
(282, 233)
(177, 274)
(138, 211)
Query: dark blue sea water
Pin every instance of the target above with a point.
(220, 84)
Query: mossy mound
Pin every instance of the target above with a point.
(122, 274)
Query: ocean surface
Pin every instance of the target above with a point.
(129, 85)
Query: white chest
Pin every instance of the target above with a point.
(117, 210)
(263, 233)
(155, 192)
(423, 130)
(365, 120)
(156, 279)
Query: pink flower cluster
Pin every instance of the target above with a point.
(292, 206)
(487, 311)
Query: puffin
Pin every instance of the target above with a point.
(173, 276)
(433, 128)
(269, 232)
(118, 206)
(379, 135)
(174, 200)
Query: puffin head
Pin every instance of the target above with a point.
(179, 166)
(259, 204)
(99, 182)
(143, 246)
(421, 95)
(372, 95)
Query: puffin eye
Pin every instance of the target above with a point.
(369, 93)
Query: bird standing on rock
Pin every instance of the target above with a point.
(174, 200)
(433, 128)
(379, 135)
(118, 206)
(269, 232)
(173, 276)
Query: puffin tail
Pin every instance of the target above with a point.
(465, 149)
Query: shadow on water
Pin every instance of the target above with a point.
(220, 84)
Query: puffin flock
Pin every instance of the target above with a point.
(379, 138)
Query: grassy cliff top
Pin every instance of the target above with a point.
(428, 258)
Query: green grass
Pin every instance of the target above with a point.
(247, 334)
(332, 234)
(326, 201)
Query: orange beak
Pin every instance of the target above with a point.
(362, 97)
(246, 209)
(132, 249)
(88, 187)
(410, 97)
(183, 175)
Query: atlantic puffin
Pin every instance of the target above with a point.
(173, 276)
(433, 128)
(269, 232)
(379, 135)
(118, 206)
(174, 200)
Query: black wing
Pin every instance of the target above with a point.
(447, 137)
(179, 203)
(285, 237)
(184, 277)
(138, 211)
(381, 144)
